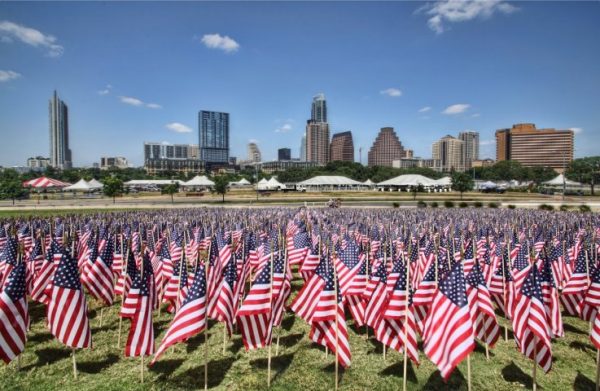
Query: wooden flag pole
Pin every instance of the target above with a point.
(405, 364)
(74, 364)
(597, 369)
(534, 374)
(142, 369)
(206, 263)
(469, 372)
(337, 328)
(504, 286)
(270, 321)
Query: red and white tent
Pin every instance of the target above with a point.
(45, 183)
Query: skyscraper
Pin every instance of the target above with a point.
(449, 151)
(535, 147)
(303, 148)
(317, 142)
(214, 136)
(470, 147)
(342, 147)
(284, 154)
(60, 153)
(386, 148)
(254, 155)
(318, 111)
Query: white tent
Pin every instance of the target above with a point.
(444, 181)
(151, 184)
(369, 183)
(275, 184)
(263, 184)
(199, 181)
(560, 180)
(94, 184)
(243, 182)
(81, 185)
(330, 182)
(408, 181)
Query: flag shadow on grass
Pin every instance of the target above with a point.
(480, 348)
(513, 374)
(166, 367)
(279, 364)
(572, 329)
(288, 322)
(40, 337)
(585, 347)
(193, 378)
(290, 340)
(97, 366)
(456, 381)
(397, 370)
(330, 368)
(196, 341)
(582, 383)
(49, 356)
(236, 344)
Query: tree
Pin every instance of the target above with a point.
(113, 187)
(416, 189)
(171, 189)
(11, 187)
(585, 170)
(221, 184)
(462, 182)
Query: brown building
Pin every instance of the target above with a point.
(386, 148)
(482, 163)
(342, 147)
(317, 142)
(535, 147)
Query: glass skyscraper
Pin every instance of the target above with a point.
(318, 111)
(60, 153)
(214, 136)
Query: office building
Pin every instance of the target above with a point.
(213, 137)
(414, 162)
(449, 151)
(303, 148)
(254, 154)
(385, 149)
(534, 147)
(38, 162)
(185, 166)
(279, 165)
(163, 150)
(113, 162)
(317, 142)
(482, 163)
(284, 154)
(470, 141)
(60, 153)
(318, 112)
(342, 147)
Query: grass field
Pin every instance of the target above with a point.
(299, 364)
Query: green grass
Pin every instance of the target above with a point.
(299, 364)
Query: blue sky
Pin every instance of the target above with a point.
(134, 72)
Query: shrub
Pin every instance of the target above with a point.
(449, 204)
(511, 206)
(478, 204)
(434, 204)
(421, 204)
(396, 204)
(463, 204)
(545, 207)
(493, 205)
(564, 208)
(584, 208)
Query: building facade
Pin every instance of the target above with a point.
(449, 151)
(534, 147)
(342, 147)
(317, 142)
(318, 112)
(154, 150)
(385, 149)
(284, 154)
(412, 162)
(470, 147)
(303, 148)
(38, 162)
(107, 162)
(213, 136)
(254, 155)
(158, 166)
(60, 153)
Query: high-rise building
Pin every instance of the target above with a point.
(535, 147)
(318, 111)
(163, 150)
(317, 142)
(60, 153)
(342, 147)
(107, 162)
(254, 155)
(213, 136)
(385, 149)
(284, 154)
(470, 147)
(449, 151)
(303, 148)
(38, 162)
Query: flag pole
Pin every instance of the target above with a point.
(206, 263)
(597, 369)
(405, 364)
(534, 374)
(270, 320)
(74, 364)
(504, 285)
(337, 328)
(126, 261)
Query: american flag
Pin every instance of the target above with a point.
(530, 323)
(224, 243)
(14, 318)
(550, 297)
(36, 259)
(305, 302)
(590, 306)
(521, 267)
(376, 295)
(423, 296)
(42, 282)
(328, 325)
(8, 259)
(67, 308)
(480, 306)
(140, 341)
(131, 284)
(448, 336)
(311, 261)
(297, 247)
(281, 288)
(348, 264)
(226, 302)
(99, 280)
(572, 293)
(191, 317)
(502, 287)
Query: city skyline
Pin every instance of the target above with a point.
(131, 82)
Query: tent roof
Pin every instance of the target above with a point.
(199, 180)
(559, 180)
(80, 185)
(243, 181)
(368, 182)
(444, 181)
(409, 180)
(274, 182)
(330, 180)
(263, 181)
(146, 182)
(44, 182)
(94, 184)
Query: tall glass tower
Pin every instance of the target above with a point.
(214, 136)
(318, 111)
(60, 153)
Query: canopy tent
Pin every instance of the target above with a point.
(408, 181)
(94, 184)
(271, 184)
(561, 180)
(151, 184)
(199, 181)
(275, 184)
(45, 183)
(369, 183)
(331, 182)
(444, 181)
(241, 183)
(81, 185)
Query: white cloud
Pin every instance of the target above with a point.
(284, 128)
(487, 142)
(153, 106)
(424, 109)
(217, 41)
(475, 115)
(394, 92)
(131, 101)
(576, 130)
(456, 11)
(10, 31)
(456, 109)
(106, 90)
(178, 127)
(8, 75)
